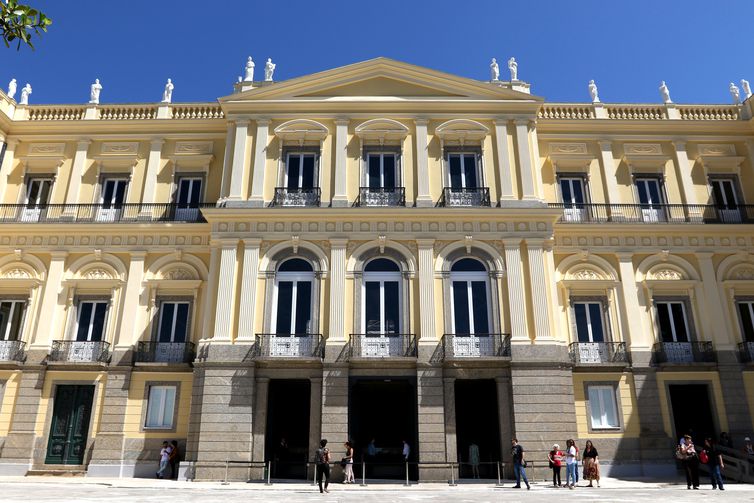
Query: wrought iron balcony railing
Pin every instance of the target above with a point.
(80, 351)
(655, 213)
(467, 197)
(684, 352)
(746, 351)
(12, 351)
(102, 213)
(297, 197)
(595, 353)
(380, 196)
(165, 352)
(476, 345)
(289, 345)
(383, 345)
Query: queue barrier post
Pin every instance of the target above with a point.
(363, 474)
(452, 475)
(225, 479)
(407, 481)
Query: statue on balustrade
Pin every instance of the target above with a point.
(494, 71)
(12, 88)
(513, 67)
(746, 88)
(249, 72)
(94, 92)
(593, 92)
(167, 94)
(25, 92)
(665, 93)
(269, 69)
(735, 93)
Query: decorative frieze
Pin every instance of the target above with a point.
(716, 149)
(642, 148)
(568, 148)
(120, 148)
(46, 149)
(193, 147)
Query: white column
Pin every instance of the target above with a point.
(240, 142)
(226, 288)
(632, 326)
(540, 297)
(210, 292)
(427, 330)
(131, 311)
(684, 174)
(536, 166)
(525, 162)
(716, 322)
(340, 198)
(10, 149)
(50, 305)
(608, 171)
(260, 160)
(423, 197)
(248, 289)
(150, 177)
(514, 274)
(337, 289)
(504, 165)
(227, 162)
(77, 172)
(749, 146)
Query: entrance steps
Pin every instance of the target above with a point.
(74, 471)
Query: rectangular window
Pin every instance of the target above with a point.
(589, 321)
(11, 319)
(572, 190)
(160, 407)
(382, 172)
(189, 192)
(113, 192)
(90, 322)
(300, 170)
(724, 192)
(174, 320)
(462, 170)
(603, 407)
(746, 312)
(672, 321)
(38, 192)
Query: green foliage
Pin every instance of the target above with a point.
(19, 22)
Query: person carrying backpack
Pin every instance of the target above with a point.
(322, 466)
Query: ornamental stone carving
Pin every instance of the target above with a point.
(193, 147)
(586, 275)
(568, 148)
(712, 149)
(97, 273)
(46, 149)
(120, 148)
(179, 274)
(17, 273)
(666, 275)
(745, 273)
(642, 148)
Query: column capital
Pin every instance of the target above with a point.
(503, 120)
(242, 122)
(251, 242)
(83, 143)
(421, 121)
(606, 145)
(705, 255)
(625, 256)
(425, 242)
(262, 380)
(338, 242)
(342, 121)
(521, 121)
(512, 242)
(679, 145)
(225, 243)
(535, 242)
(157, 143)
(58, 254)
(138, 254)
(11, 143)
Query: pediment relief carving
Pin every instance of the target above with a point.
(179, 274)
(17, 273)
(666, 275)
(744, 273)
(97, 273)
(585, 274)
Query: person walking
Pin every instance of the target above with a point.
(571, 465)
(715, 463)
(519, 464)
(174, 459)
(474, 459)
(591, 464)
(164, 460)
(690, 462)
(322, 460)
(406, 451)
(556, 462)
(348, 460)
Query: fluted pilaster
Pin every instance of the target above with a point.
(337, 289)
(427, 330)
(246, 316)
(226, 287)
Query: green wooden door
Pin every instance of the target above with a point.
(70, 425)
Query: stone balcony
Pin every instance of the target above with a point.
(289, 346)
(598, 353)
(654, 213)
(469, 346)
(102, 213)
(383, 346)
(684, 352)
(79, 352)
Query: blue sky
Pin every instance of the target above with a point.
(133, 46)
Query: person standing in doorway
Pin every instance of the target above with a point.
(571, 465)
(348, 460)
(591, 464)
(174, 454)
(556, 462)
(406, 451)
(715, 463)
(164, 460)
(519, 464)
(690, 462)
(322, 460)
(474, 459)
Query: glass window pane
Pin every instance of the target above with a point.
(717, 193)
(373, 174)
(120, 192)
(183, 192)
(293, 170)
(578, 191)
(308, 177)
(565, 191)
(33, 194)
(285, 304)
(468, 265)
(609, 406)
(156, 399)
(169, 407)
(382, 265)
(181, 322)
(390, 176)
(5, 309)
(392, 307)
(679, 320)
(372, 320)
(461, 308)
(166, 321)
(469, 165)
(107, 193)
(196, 192)
(98, 324)
(595, 318)
(747, 323)
(641, 186)
(663, 320)
(44, 193)
(295, 265)
(85, 315)
(653, 186)
(303, 307)
(455, 171)
(595, 406)
(582, 324)
(730, 193)
(480, 307)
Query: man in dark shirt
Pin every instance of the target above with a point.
(519, 464)
(715, 463)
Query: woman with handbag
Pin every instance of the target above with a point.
(591, 464)
(347, 463)
(690, 462)
(556, 462)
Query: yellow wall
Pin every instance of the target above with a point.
(627, 399)
(11, 378)
(137, 403)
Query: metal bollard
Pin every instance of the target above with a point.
(225, 480)
(314, 480)
(407, 481)
(363, 474)
(452, 476)
(499, 482)
(269, 471)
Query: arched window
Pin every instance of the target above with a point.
(382, 297)
(470, 298)
(292, 307)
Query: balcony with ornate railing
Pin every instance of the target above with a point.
(297, 198)
(289, 346)
(684, 352)
(746, 351)
(383, 346)
(12, 351)
(598, 353)
(476, 346)
(165, 352)
(381, 197)
(655, 213)
(465, 197)
(80, 351)
(102, 213)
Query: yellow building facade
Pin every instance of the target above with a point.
(379, 252)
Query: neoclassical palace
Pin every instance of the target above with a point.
(379, 252)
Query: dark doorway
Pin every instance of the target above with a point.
(287, 438)
(477, 423)
(69, 429)
(692, 411)
(384, 410)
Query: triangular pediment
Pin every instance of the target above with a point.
(382, 79)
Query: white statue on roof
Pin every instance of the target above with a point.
(249, 71)
(735, 93)
(665, 93)
(593, 92)
(513, 67)
(25, 92)
(12, 88)
(96, 88)
(494, 71)
(167, 94)
(746, 88)
(269, 69)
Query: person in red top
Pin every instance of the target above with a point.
(556, 462)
